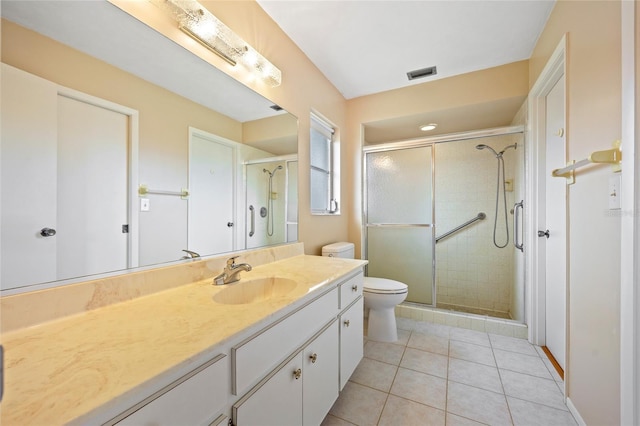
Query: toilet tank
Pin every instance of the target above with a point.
(343, 249)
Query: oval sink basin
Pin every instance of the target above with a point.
(256, 290)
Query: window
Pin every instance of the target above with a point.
(324, 166)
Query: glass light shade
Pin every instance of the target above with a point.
(209, 31)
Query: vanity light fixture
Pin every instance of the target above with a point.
(200, 24)
(428, 127)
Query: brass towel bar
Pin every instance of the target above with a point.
(143, 190)
(611, 156)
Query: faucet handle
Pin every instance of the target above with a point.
(231, 262)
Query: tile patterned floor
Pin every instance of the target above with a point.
(440, 375)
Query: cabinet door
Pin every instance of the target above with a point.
(320, 382)
(276, 401)
(351, 340)
(194, 401)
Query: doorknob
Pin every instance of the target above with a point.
(543, 233)
(229, 224)
(47, 232)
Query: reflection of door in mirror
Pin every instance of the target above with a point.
(54, 152)
(212, 194)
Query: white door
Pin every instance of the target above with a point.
(64, 168)
(28, 170)
(92, 189)
(556, 224)
(212, 196)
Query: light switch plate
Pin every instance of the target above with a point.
(144, 204)
(614, 191)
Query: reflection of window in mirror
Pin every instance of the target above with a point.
(325, 182)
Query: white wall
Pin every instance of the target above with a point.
(593, 123)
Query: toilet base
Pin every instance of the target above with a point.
(382, 325)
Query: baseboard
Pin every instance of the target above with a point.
(573, 410)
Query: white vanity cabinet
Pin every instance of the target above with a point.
(351, 340)
(300, 391)
(303, 387)
(287, 372)
(195, 399)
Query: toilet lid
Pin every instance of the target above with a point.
(383, 286)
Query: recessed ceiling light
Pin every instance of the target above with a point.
(427, 127)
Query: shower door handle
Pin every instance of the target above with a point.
(253, 221)
(516, 225)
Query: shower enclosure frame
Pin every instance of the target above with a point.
(418, 143)
(286, 159)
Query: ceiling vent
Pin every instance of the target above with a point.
(424, 72)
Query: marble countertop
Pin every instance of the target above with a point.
(66, 369)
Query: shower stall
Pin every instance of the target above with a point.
(271, 189)
(443, 215)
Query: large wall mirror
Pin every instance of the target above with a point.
(120, 149)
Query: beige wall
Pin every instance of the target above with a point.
(303, 89)
(493, 84)
(593, 123)
(163, 123)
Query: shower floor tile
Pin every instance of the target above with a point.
(445, 375)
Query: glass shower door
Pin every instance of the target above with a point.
(399, 218)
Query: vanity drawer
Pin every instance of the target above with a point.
(257, 355)
(350, 290)
(194, 399)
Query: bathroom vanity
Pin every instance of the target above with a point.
(275, 348)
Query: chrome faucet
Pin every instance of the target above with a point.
(231, 272)
(190, 255)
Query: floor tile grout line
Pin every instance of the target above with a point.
(526, 374)
(540, 403)
(504, 391)
(446, 394)
(392, 382)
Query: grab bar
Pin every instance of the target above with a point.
(516, 226)
(253, 221)
(480, 216)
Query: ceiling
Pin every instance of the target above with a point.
(362, 46)
(368, 46)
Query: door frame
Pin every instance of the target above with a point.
(630, 227)
(535, 211)
(133, 241)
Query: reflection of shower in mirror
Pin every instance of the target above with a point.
(270, 198)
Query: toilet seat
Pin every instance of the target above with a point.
(383, 286)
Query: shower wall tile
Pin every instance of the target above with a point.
(471, 274)
(463, 320)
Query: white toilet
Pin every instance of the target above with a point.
(381, 296)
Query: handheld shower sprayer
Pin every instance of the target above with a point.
(270, 199)
(501, 182)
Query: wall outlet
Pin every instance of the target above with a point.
(614, 191)
(144, 204)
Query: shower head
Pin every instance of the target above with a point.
(514, 146)
(273, 172)
(483, 146)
